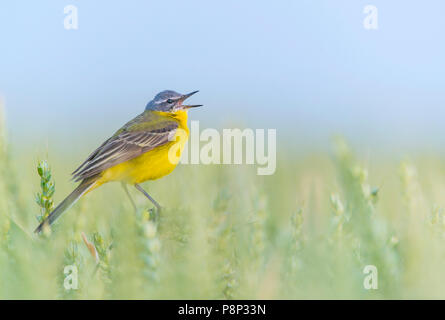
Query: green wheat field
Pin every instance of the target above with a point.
(308, 231)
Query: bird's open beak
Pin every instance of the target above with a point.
(192, 106)
(186, 96)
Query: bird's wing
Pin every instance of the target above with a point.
(137, 137)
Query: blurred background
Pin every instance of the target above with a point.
(307, 68)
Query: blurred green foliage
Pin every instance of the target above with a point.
(44, 197)
(307, 231)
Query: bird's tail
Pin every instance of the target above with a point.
(69, 201)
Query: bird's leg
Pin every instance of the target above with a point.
(158, 207)
(124, 185)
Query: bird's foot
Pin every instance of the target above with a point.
(155, 214)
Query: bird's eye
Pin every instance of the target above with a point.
(169, 101)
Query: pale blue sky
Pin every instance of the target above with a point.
(307, 68)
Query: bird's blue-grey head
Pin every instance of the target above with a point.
(170, 101)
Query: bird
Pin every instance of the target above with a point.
(145, 148)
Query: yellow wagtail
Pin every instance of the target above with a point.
(138, 152)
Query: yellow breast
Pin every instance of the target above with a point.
(156, 163)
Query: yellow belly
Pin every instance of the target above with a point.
(151, 165)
